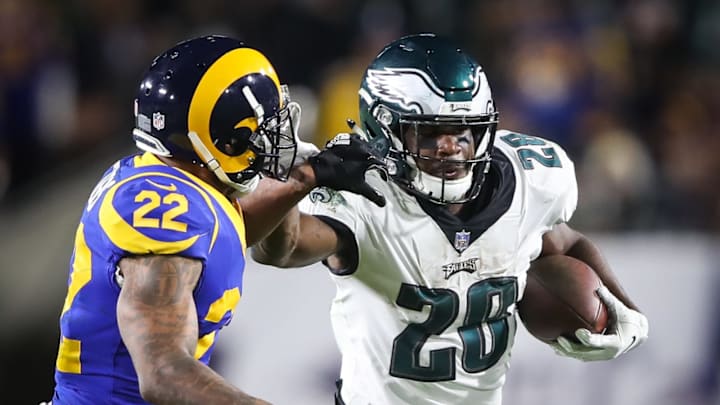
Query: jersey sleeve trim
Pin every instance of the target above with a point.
(349, 252)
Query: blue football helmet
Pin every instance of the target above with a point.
(216, 102)
(419, 81)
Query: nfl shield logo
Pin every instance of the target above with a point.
(462, 240)
(158, 121)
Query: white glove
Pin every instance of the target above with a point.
(627, 329)
(304, 149)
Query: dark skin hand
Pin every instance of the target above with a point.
(158, 323)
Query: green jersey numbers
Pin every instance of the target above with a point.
(485, 331)
(405, 362)
(530, 150)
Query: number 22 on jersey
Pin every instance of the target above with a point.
(153, 200)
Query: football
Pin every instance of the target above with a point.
(560, 298)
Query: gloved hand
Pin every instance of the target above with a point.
(342, 164)
(627, 329)
(304, 149)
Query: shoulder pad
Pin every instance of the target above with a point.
(545, 169)
(158, 213)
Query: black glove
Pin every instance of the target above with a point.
(342, 164)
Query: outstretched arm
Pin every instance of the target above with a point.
(158, 324)
(293, 240)
(284, 237)
(299, 241)
(263, 208)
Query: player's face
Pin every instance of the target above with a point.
(440, 150)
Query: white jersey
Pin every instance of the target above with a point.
(428, 315)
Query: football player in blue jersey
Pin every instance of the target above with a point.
(427, 284)
(159, 254)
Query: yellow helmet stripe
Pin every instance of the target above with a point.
(219, 76)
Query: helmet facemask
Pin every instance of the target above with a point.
(441, 179)
(409, 133)
(280, 136)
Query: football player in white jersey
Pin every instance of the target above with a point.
(427, 284)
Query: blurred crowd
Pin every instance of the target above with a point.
(630, 88)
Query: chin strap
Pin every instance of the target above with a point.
(448, 190)
(242, 188)
(148, 143)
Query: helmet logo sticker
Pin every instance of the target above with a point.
(414, 91)
(398, 86)
(158, 121)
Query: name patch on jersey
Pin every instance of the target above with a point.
(469, 265)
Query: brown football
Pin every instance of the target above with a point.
(560, 298)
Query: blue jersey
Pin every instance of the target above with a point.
(142, 206)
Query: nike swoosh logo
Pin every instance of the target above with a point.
(631, 346)
(171, 187)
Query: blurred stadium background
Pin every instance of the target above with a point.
(630, 88)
